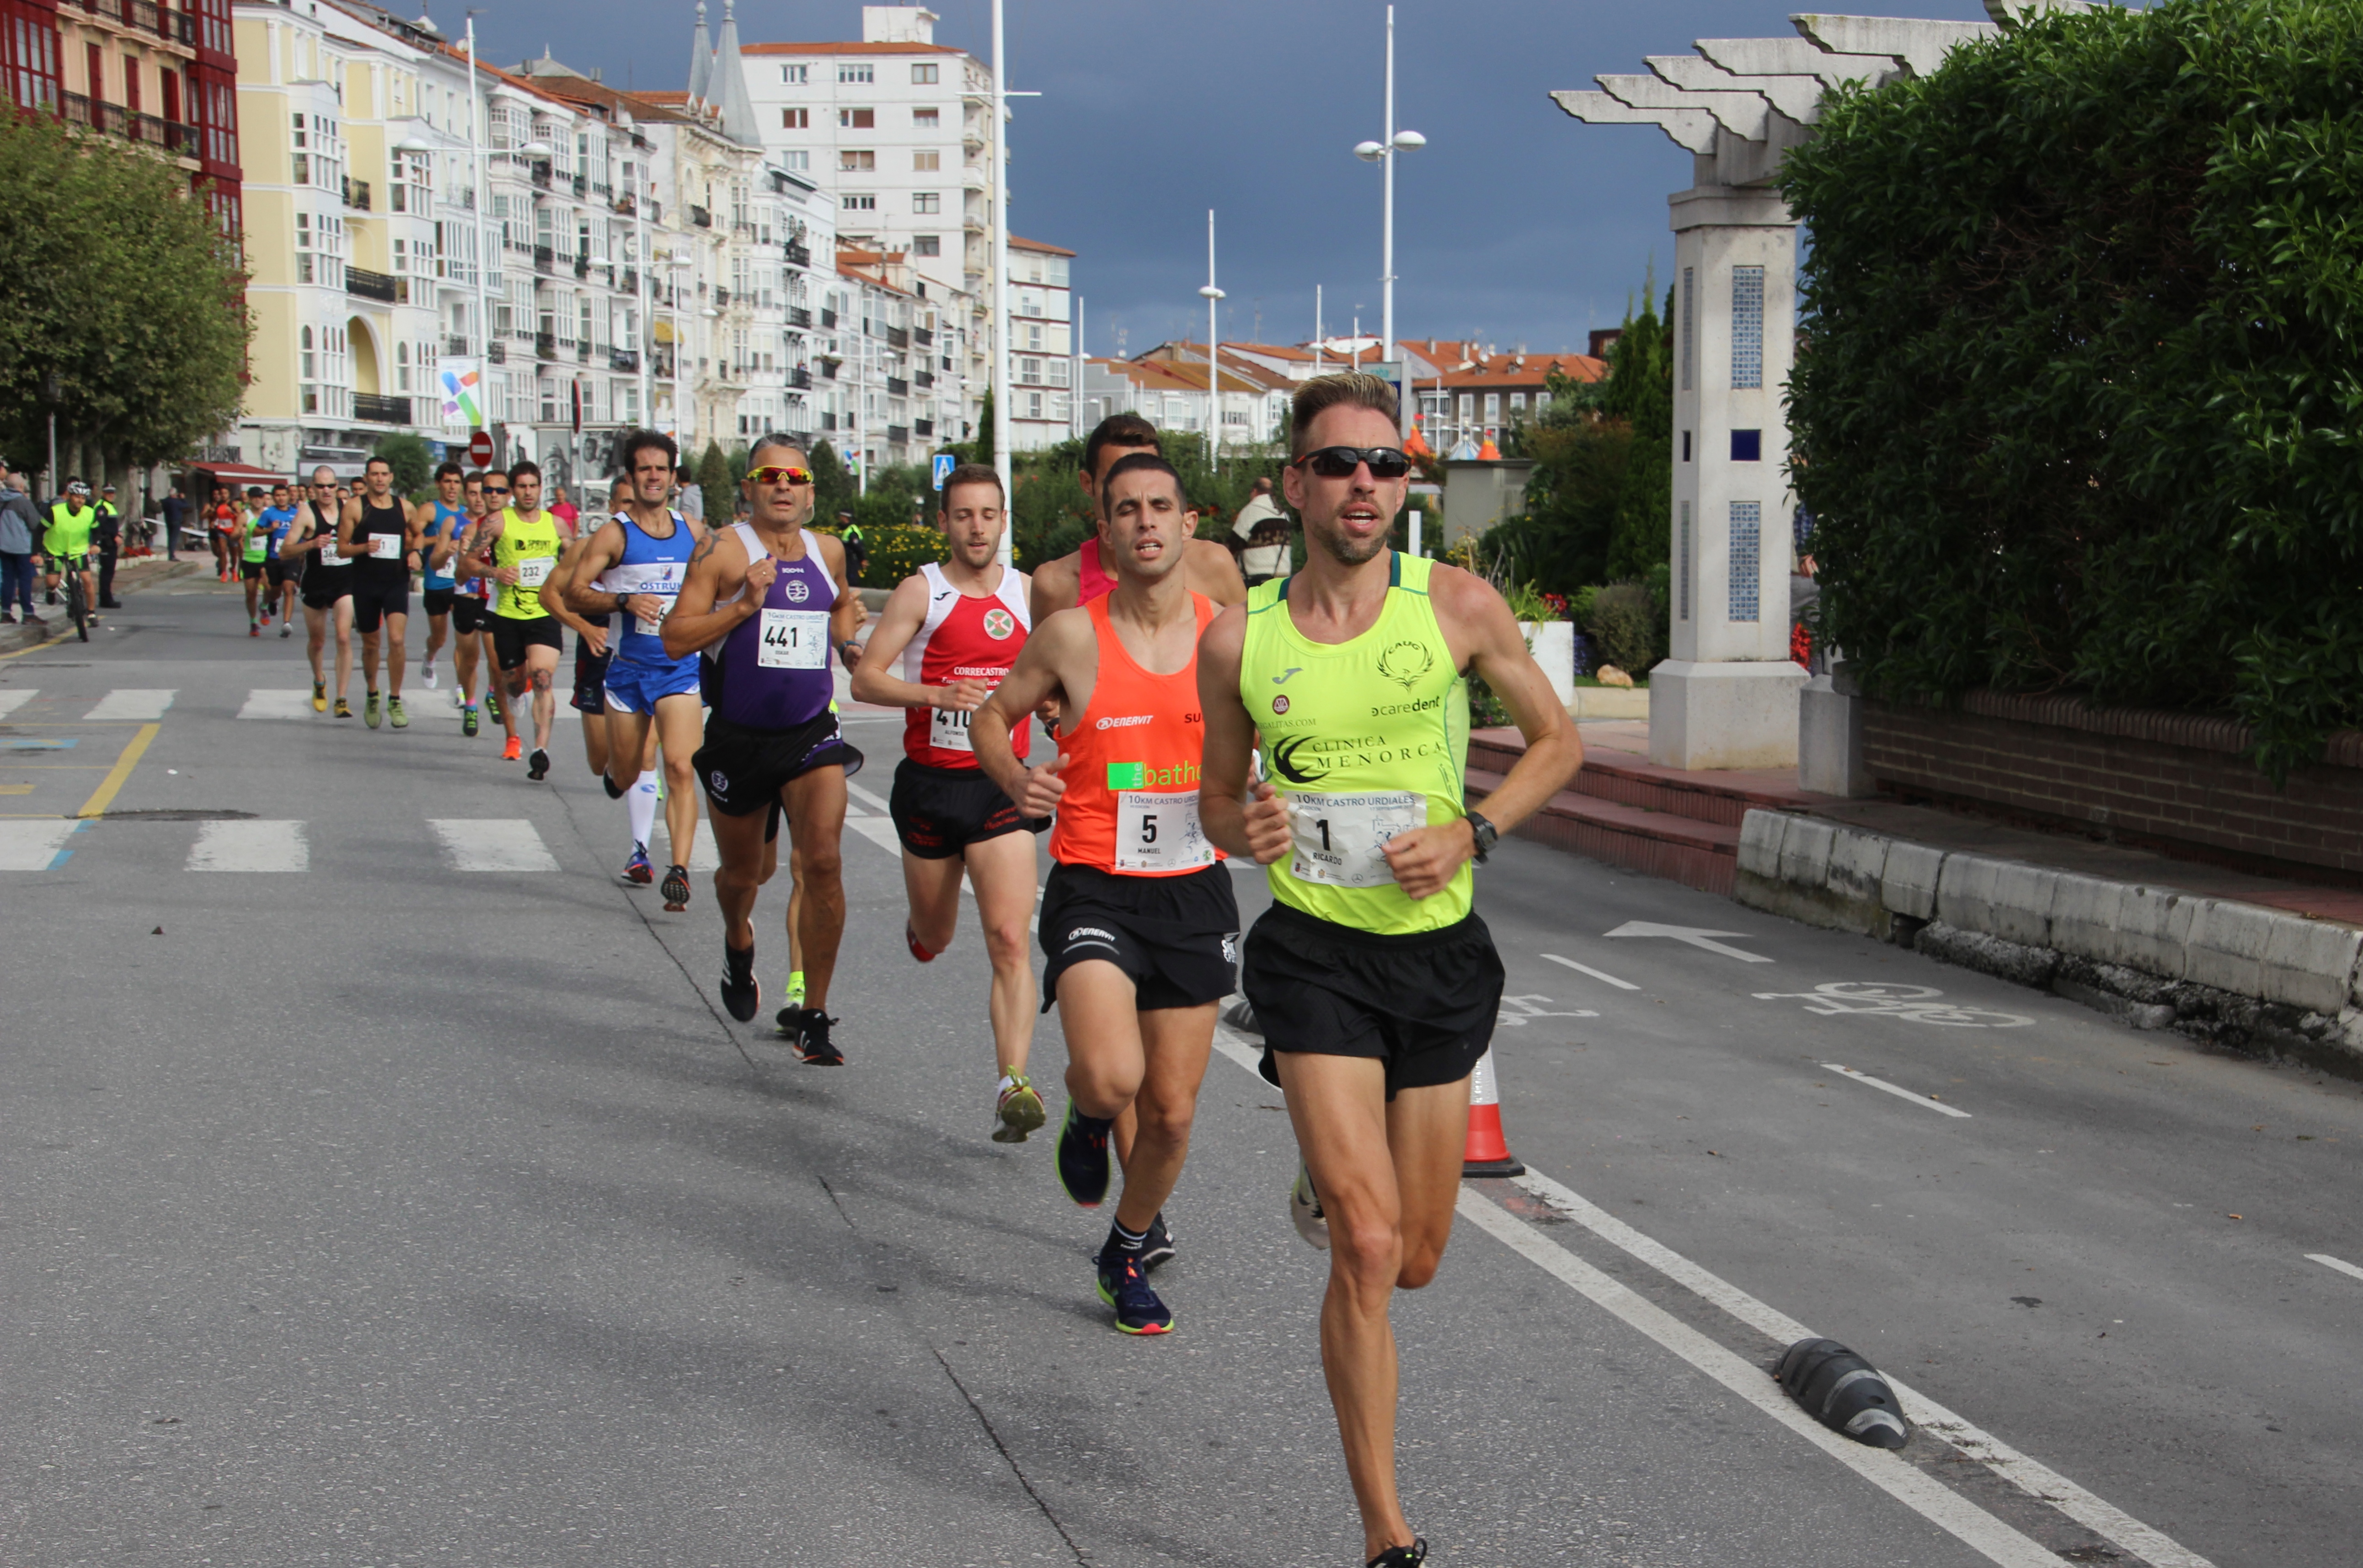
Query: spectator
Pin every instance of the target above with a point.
(176, 507)
(1263, 526)
(19, 524)
(107, 535)
(857, 548)
(563, 509)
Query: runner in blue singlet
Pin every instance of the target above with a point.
(440, 523)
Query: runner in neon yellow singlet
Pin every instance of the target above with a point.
(517, 549)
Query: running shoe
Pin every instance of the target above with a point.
(637, 872)
(514, 750)
(344, 709)
(536, 766)
(796, 988)
(1410, 1556)
(253, 629)
(429, 675)
(1083, 1159)
(1125, 1289)
(676, 888)
(492, 704)
(1304, 1211)
(813, 1046)
(394, 715)
(468, 721)
(1018, 1111)
(911, 938)
(369, 710)
(286, 628)
(1158, 1248)
(319, 696)
(741, 992)
(614, 790)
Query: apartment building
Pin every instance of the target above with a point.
(161, 74)
(1469, 393)
(1167, 386)
(1041, 345)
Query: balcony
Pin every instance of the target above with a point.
(923, 428)
(375, 410)
(455, 344)
(582, 186)
(497, 352)
(800, 376)
(701, 217)
(897, 387)
(626, 205)
(624, 361)
(357, 194)
(660, 363)
(583, 351)
(828, 368)
(898, 435)
(923, 337)
(799, 316)
(827, 420)
(544, 260)
(545, 345)
(583, 266)
(631, 284)
(923, 379)
(372, 285)
(827, 318)
(799, 255)
(539, 174)
(896, 337)
(721, 297)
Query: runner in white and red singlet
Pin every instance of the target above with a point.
(947, 636)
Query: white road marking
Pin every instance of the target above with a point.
(2039, 1481)
(250, 847)
(38, 844)
(1588, 969)
(12, 700)
(1899, 1091)
(867, 798)
(266, 704)
(2326, 1261)
(1696, 936)
(1516, 1011)
(878, 831)
(1913, 1004)
(493, 844)
(131, 703)
(704, 854)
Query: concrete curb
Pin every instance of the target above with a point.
(2242, 976)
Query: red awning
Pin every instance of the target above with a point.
(237, 473)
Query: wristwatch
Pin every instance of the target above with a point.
(1486, 833)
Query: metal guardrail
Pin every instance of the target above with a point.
(799, 316)
(800, 376)
(625, 361)
(376, 410)
(357, 193)
(373, 285)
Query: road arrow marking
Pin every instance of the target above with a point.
(1691, 934)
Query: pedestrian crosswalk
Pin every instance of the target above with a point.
(12, 700)
(38, 844)
(250, 847)
(261, 704)
(498, 843)
(125, 704)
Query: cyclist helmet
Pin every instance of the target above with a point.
(75, 487)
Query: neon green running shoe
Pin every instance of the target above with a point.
(369, 710)
(1018, 1110)
(394, 712)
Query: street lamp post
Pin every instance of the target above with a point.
(1383, 153)
(1001, 261)
(1214, 363)
(484, 200)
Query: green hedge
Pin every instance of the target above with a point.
(2079, 404)
(896, 550)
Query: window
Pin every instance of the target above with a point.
(1747, 519)
(797, 162)
(304, 250)
(1517, 405)
(928, 119)
(308, 371)
(1033, 405)
(795, 75)
(1492, 408)
(860, 204)
(847, 158)
(927, 162)
(926, 202)
(1689, 345)
(796, 119)
(1746, 330)
(1468, 408)
(846, 72)
(858, 120)
(926, 244)
(1034, 335)
(924, 75)
(402, 366)
(1747, 445)
(1683, 576)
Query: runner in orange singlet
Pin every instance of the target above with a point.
(1137, 917)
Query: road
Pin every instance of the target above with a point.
(362, 1206)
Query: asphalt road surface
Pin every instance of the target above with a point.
(381, 1183)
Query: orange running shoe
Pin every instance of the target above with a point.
(514, 750)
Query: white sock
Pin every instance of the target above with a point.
(641, 799)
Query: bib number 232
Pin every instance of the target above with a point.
(1340, 840)
(1158, 831)
(793, 639)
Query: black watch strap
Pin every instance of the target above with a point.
(1486, 833)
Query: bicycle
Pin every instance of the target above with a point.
(77, 606)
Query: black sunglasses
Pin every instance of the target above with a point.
(1340, 462)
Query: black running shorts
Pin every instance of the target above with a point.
(590, 679)
(938, 811)
(279, 573)
(250, 571)
(744, 768)
(512, 637)
(1177, 937)
(469, 616)
(373, 601)
(323, 586)
(436, 600)
(1424, 1004)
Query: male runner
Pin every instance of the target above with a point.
(327, 587)
(1138, 918)
(439, 522)
(957, 629)
(517, 549)
(594, 646)
(471, 618)
(381, 535)
(1374, 982)
(257, 545)
(1083, 575)
(766, 601)
(66, 543)
(278, 573)
(634, 564)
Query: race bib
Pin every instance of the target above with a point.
(329, 556)
(388, 544)
(649, 626)
(793, 639)
(1340, 840)
(534, 570)
(948, 731)
(1158, 831)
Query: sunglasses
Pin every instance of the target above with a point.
(1340, 462)
(780, 474)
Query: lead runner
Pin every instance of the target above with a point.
(1375, 982)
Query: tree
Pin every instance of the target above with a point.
(1640, 392)
(832, 485)
(718, 486)
(119, 283)
(413, 460)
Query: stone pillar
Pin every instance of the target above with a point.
(1728, 696)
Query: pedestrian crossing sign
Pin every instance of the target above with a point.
(944, 461)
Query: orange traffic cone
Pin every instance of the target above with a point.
(1487, 1152)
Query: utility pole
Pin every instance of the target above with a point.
(1001, 260)
(483, 257)
(1214, 364)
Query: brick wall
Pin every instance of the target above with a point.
(2174, 782)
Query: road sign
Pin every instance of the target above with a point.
(944, 462)
(479, 449)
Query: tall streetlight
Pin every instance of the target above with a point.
(1383, 153)
(1001, 263)
(1214, 363)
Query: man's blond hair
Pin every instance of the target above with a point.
(1355, 389)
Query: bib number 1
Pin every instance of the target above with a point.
(793, 639)
(1339, 841)
(1160, 832)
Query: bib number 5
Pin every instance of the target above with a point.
(1160, 832)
